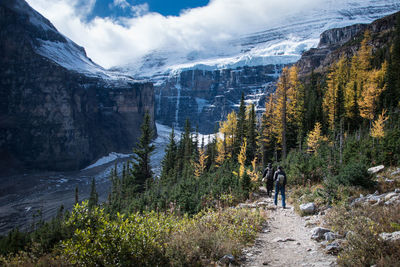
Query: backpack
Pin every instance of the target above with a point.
(280, 179)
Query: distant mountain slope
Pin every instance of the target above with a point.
(58, 109)
(205, 86)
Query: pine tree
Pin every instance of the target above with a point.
(251, 133)
(168, 162)
(241, 125)
(141, 166)
(76, 195)
(94, 197)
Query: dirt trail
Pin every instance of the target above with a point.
(286, 241)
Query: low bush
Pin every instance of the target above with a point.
(362, 226)
(151, 239)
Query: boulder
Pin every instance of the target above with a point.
(391, 237)
(333, 248)
(376, 169)
(308, 208)
(318, 233)
(225, 260)
(329, 236)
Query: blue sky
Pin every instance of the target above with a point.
(122, 8)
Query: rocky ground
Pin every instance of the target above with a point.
(286, 241)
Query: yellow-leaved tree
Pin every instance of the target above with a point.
(378, 126)
(226, 138)
(285, 106)
(242, 158)
(314, 138)
(374, 86)
(253, 172)
(200, 166)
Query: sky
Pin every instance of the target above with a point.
(117, 32)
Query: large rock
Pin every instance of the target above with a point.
(58, 109)
(391, 237)
(308, 208)
(317, 233)
(375, 169)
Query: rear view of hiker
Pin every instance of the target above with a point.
(280, 179)
(268, 178)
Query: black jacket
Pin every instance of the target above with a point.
(266, 171)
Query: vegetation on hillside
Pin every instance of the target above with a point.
(325, 129)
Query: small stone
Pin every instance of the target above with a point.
(390, 195)
(309, 249)
(333, 248)
(329, 236)
(389, 181)
(265, 263)
(397, 190)
(318, 233)
(227, 259)
(395, 172)
(308, 208)
(298, 243)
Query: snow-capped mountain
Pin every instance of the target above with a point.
(206, 85)
(282, 42)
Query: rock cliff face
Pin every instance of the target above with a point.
(206, 97)
(345, 41)
(58, 118)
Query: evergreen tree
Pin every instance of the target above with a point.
(141, 166)
(94, 197)
(241, 125)
(251, 134)
(168, 162)
(76, 195)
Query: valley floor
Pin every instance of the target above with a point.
(286, 241)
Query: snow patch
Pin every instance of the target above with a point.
(107, 159)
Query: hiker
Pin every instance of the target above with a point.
(280, 179)
(268, 178)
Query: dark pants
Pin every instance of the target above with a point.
(270, 185)
(282, 189)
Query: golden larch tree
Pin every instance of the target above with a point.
(378, 126)
(314, 138)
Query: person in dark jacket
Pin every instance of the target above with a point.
(280, 183)
(268, 178)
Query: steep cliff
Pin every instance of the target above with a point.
(345, 41)
(206, 97)
(58, 109)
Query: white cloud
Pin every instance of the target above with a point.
(121, 3)
(110, 42)
(140, 10)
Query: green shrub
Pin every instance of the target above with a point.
(152, 239)
(354, 174)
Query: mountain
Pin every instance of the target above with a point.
(205, 86)
(58, 109)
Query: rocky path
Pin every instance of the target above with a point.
(286, 241)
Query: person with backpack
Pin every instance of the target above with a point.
(268, 178)
(280, 179)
